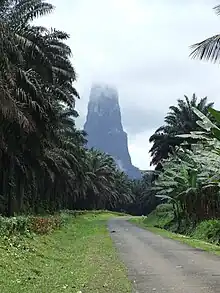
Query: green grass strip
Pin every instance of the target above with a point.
(78, 258)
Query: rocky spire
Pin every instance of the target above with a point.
(104, 127)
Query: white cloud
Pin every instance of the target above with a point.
(138, 147)
(141, 46)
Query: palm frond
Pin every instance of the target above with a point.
(217, 9)
(208, 50)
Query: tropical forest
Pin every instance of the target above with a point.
(57, 196)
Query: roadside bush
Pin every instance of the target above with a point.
(14, 225)
(208, 231)
(25, 225)
(44, 225)
(161, 217)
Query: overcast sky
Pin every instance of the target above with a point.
(141, 47)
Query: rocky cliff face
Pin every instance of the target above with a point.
(104, 128)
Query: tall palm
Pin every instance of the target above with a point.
(43, 160)
(179, 120)
(100, 174)
(35, 75)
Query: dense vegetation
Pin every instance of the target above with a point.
(189, 176)
(45, 166)
(187, 184)
(186, 151)
(44, 163)
(179, 120)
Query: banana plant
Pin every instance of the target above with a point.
(190, 180)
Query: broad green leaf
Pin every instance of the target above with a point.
(190, 191)
(215, 114)
(205, 123)
(216, 133)
(164, 196)
(194, 135)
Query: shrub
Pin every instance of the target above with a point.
(44, 225)
(14, 225)
(208, 231)
(161, 217)
(25, 225)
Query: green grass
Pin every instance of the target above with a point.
(97, 212)
(80, 257)
(143, 223)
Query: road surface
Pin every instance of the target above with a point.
(160, 265)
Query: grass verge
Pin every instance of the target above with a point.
(142, 222)
(79, 257)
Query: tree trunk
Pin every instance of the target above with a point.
(20, 197)
(10, 188)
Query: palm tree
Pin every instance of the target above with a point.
(208, 49)
(44, 164)
(181, 119)
(35, 76)
(100, 174)
(17, 92)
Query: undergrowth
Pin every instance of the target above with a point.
(25, 225)
(163, 218)
(208, 231)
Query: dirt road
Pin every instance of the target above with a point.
(161, 265)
